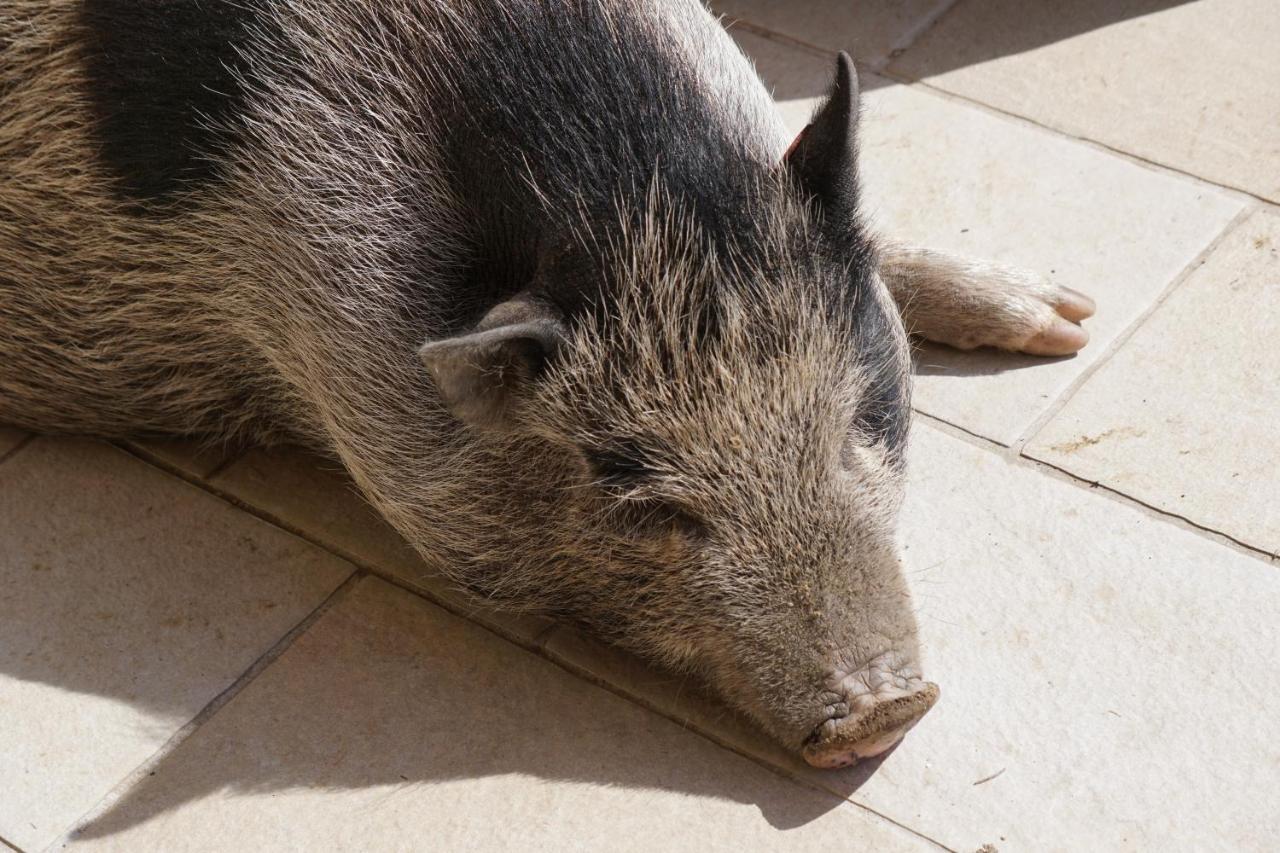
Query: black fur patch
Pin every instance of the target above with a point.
(884, 413)
(162, 84)
(581, 98)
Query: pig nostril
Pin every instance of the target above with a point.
(842, 741)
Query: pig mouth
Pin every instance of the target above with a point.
(869, 723)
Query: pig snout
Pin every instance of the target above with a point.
(874, 708)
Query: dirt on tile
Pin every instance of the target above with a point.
(1089, 441)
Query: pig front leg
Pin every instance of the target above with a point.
(968, 304)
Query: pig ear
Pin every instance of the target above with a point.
(824, 156)
(483, 375)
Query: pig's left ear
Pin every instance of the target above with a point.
(824, 156)
(484, 375)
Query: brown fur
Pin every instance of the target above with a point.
(289, 300)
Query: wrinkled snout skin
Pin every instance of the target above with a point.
(551, 280)
(873, 709)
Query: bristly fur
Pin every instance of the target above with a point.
(709, 469)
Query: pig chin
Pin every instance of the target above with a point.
(867, 711)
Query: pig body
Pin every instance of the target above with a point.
(541, 273)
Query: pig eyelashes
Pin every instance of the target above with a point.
(646, 516)
(619, 468)
(620, 472)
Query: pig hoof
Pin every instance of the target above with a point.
(1060, 332)
(1073, 305)
(1061, 338)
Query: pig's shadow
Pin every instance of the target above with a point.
(929, 359)
(384, 692)
(1016, 32)
(322, 727)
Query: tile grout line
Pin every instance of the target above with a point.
(538, 644)
(221, 467)
(913, 34)
(452, 606)
(1135, 159)
(774, 36)
(1012, 457)
(9, 845)
(1014, 452)
(880, 67)
(535, 646)
(179, 737)
(1059, 403)
(13, 451)
(635, 699)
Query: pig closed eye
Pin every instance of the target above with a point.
(618, 469)
(624, 476)
(648, 516)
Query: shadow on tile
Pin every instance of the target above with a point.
(791, 72)
(392, 706)
(934, 360)
(1034, 26)
(128, 601)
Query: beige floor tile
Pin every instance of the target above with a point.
(1116, 670)
(958, 178)
(393, 725)
(1186, 416)
(1079, 645)
(189, 456)
(9, 438)
(1195, 86)
(868, 29)
(314, 495)
(128, 601)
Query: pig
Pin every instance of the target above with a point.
(551, 280)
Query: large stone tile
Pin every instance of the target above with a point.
(958, 178)
(868, 29)
(128, 601)
(1186, 416)
(314, 495)
(1195, 86)
(1116, 671)
(1080, 648)
(392, 725)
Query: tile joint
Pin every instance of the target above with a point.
(216, 704)
(1175, 284)
(1013, 456)
(9, 454)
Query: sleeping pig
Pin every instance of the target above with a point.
(548, 276)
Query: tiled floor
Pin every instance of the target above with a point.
(218, 649)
